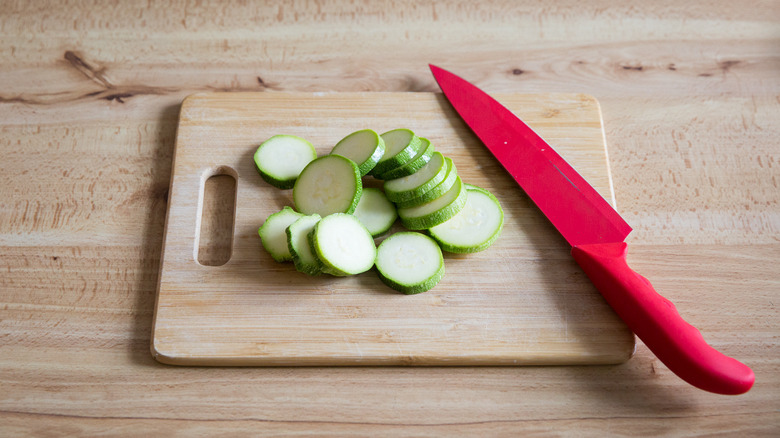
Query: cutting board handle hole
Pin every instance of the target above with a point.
(214, 246)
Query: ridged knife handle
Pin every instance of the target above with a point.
(655, 320)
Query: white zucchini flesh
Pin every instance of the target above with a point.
(375, 211)
(343, 244)
(475, 227)
(273, 233)
(410, 262)
(281, 158)
(327, 185)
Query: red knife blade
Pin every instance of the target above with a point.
(596, 233)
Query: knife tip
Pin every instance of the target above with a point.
(437, 71)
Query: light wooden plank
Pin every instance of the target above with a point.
(689, 97)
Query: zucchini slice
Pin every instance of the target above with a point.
(364, 147)
(343, 244)
(416, 184)
(401, 145)
(273, 233)
(410, 262)
(327, 185)
(424, 154)
(436, 211)
(475, 228)
(375, 211)
(303, 257)
(436, 191)
(281, 158)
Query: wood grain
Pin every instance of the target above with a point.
(522, 302)
(89, 98)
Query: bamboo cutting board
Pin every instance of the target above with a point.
(523, 301)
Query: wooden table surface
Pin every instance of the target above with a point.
(89, 99)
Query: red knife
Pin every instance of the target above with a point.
(596, 233)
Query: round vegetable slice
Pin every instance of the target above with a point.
(416, 184)
(401, 145)
(437, 191)
(435, 212)
(327, 185)
(281, 158)
(274, 236)
(475, 228)
(364, 147)
(410, 262)
(343, 244)
(424, 154)
(303, 257)
(375, 211)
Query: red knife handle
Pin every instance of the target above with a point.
(657, 323)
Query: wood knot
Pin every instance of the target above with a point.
(726, 65)
(119, 97)
(90, 70)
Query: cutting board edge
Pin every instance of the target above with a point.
(431, 361)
